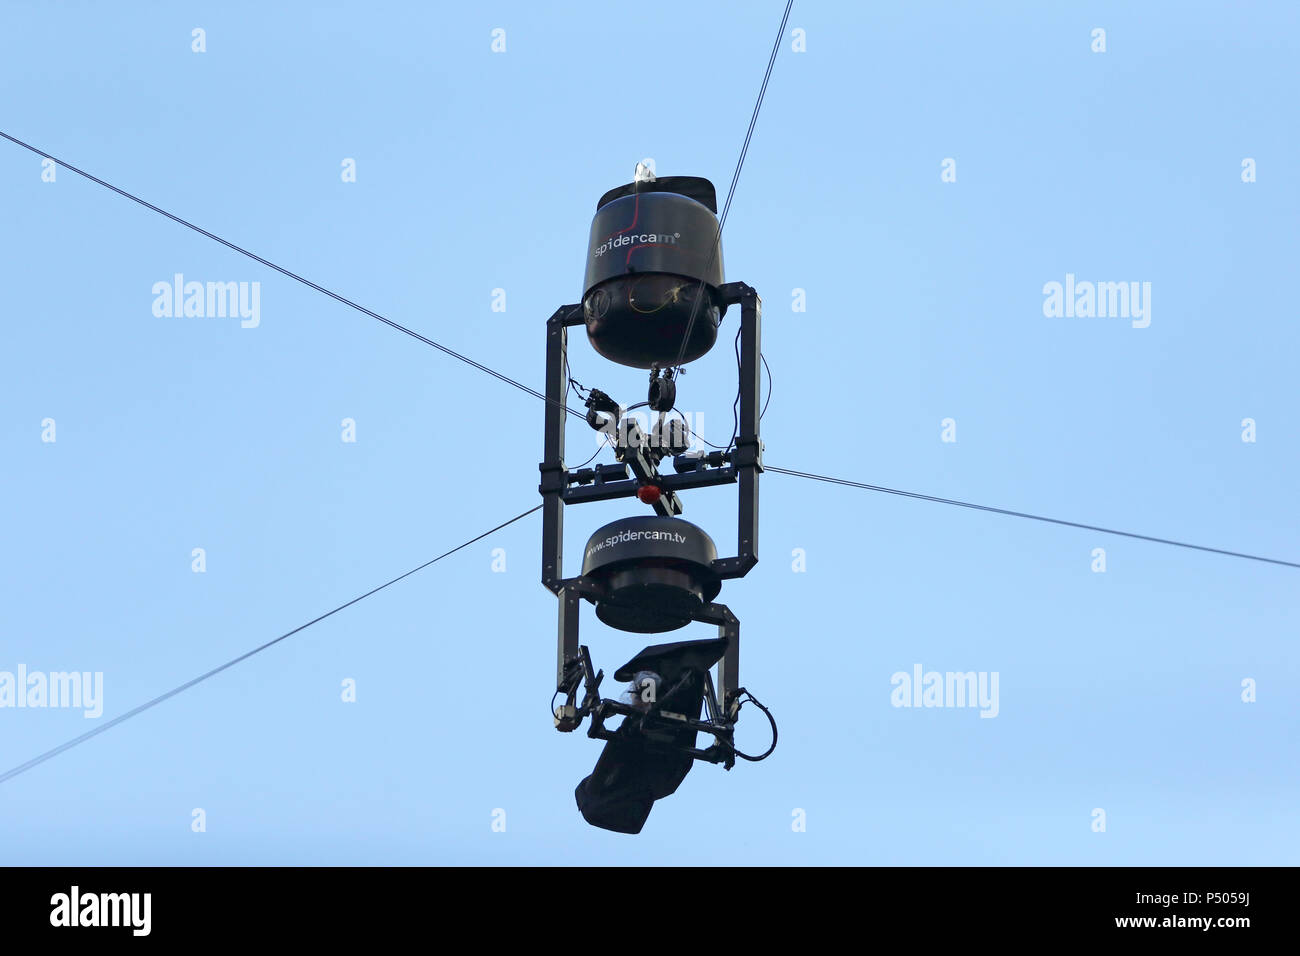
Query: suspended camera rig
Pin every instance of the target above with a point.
(651, 573)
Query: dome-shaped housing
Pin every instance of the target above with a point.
(654, 572)
(652, 243)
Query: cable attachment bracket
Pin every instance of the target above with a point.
(663, 391)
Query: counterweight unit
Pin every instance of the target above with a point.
(652, 245)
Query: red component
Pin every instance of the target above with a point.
(649, 494)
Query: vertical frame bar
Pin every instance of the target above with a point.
(567, 633)
(552, 467)
(749, 446)
(729, 666)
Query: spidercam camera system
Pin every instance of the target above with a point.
(653, 298)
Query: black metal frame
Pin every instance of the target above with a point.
(742, 466)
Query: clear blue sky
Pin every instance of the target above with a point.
(479, 170)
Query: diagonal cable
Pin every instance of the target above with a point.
(1032, 517)
(286, 272)
(41, 758)
(735, 178)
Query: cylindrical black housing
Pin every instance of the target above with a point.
(654, 572)
(651, 245)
